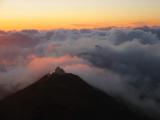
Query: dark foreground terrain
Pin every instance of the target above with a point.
(63, 97)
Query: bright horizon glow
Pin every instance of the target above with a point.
(76, 14)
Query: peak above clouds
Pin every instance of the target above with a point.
(124, 62)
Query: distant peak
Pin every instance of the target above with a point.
(59, 71)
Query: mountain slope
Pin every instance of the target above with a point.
(62, 97)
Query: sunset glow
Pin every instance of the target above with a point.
(52, 14)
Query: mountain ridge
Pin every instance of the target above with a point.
(63, 97)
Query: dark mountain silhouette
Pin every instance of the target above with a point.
(63, 97)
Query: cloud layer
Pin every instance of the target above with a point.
(124, 62)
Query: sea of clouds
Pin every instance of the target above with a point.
(124, 62)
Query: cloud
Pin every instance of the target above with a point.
(124, 62)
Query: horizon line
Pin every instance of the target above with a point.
(83, 28)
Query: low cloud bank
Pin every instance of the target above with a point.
(123, 62)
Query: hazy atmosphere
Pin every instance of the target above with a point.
(112, 44)
(122, 62)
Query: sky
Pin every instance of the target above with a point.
(52, 14)
(124, 62)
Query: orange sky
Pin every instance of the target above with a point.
(52, 14)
